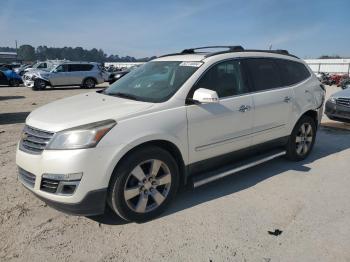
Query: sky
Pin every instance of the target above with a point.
(154, 27)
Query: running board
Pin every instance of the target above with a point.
(205, 178)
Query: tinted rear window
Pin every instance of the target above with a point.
(264, 73)
(292, 72)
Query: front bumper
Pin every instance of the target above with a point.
(89, 197)
(337, 112)
(93, 203)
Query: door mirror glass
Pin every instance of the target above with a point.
(203, 95)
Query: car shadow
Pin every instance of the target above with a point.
(329, 141)
(2, 98)
(13, 118)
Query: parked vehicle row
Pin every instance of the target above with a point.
(191, 117)
(341, 80)
(83, 74)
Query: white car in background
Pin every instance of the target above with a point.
(191, 117)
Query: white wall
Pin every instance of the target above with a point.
(340, 66)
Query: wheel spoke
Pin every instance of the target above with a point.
(166, 179)
(142, 203)
(309, 139)
(138, 173)
(298, 139)
(131, 192)
(302, 128)
(155, 167)
(308, 129)
(305, 148)
(299, 149)
(157, 196)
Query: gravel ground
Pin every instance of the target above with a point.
(227, 220)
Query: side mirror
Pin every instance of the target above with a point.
(203, 95)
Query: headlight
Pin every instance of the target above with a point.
(85, 136)
(332, 99)
(117, 76)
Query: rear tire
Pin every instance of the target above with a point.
(136, 193)
(89, 83)
(302, 139)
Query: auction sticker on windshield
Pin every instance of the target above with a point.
(193, 64)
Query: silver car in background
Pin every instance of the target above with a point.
(83, 74)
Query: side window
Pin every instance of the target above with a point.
(264, 73)
(86, 67)
(74, 68)
(42, 65)
(292, 72)
(225, 78)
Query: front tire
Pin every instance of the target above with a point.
(143, 184)
(302, 139)
(39, 84)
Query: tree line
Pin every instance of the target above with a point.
(30, 53)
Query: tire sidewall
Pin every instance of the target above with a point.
(291, 146)
(120, 175)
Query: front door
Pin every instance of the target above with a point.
(60, 76)
(218, 128)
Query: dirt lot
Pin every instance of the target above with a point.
(227, 220)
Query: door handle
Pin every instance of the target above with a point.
(287, 99)
(244, 108)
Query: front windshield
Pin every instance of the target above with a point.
(154, 81)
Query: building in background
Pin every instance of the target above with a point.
(335, 66)
(8, 57)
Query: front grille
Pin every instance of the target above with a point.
(26, 178)
(49, 185)
(34, 141)
(343, 101)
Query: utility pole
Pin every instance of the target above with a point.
(16, 51)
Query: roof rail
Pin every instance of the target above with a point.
(230, 49)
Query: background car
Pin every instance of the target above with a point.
(9, 77)
(119, 74)
(338, 106)
(84, 74)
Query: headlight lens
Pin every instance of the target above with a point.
(85, 136)
(332, 99)
(117, 76)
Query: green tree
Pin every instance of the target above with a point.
(27, 53)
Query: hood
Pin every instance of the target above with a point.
(84, 109)
(342, 93)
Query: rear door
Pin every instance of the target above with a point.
(271, 98)
(218, 128)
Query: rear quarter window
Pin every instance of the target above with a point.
(292, 72)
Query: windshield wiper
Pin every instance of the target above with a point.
(123, 95)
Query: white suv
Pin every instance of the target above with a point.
(190, 117)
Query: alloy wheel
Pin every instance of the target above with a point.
(304, 139)
(147, 186)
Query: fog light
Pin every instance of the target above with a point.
(60, 184)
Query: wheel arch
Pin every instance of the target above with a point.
(161, 143)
